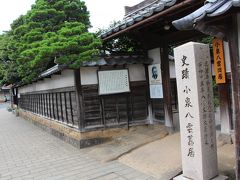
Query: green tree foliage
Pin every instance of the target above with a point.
(123, 44)
(53, 31)
(8, 68)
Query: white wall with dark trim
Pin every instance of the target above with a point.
(66, 79)
(89, 74)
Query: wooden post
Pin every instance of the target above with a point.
(149, 101)
(225, 105)
(79, 98)
(234, 57)
(166, 87)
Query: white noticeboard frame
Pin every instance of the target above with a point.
(113, 81)
(156, 91)
(155, 81)
(154, 73)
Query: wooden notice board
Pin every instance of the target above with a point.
(113, 81)
(219, 61)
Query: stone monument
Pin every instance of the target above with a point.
(196, 112)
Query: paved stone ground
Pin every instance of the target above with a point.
(4, 105)
(27, 152)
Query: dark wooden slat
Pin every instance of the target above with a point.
(71, 108)
(33, 108)
(47, 105)
(53, 107)
(37, 104)
(65, 103)
(61, 107)
(103, 112)
(50, 106)
(56, 94)
(40, 101)
(44, 104)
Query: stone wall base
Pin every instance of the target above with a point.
(71, 135)
(220, 177)
(225, 138)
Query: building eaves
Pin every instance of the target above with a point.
(140, 15)
(6, 87)
(55, 69)
(48, 73)
(118, 60)
(211, 8)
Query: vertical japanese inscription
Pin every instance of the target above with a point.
(219, 61)
(194, 82)
(188, 105)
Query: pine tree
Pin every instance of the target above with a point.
(53, 31)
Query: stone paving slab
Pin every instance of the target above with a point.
(162, 158)
(27, 152)
(137, 137)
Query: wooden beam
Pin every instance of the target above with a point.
(166, 87)
(151, 40)
(235, 76)
(180, 7)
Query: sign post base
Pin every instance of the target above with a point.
(220, 177)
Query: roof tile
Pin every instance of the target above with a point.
(211, 8)
(139, 15)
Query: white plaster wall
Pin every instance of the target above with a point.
(2, 97)
(137, 72)
(27, 88)
(89, 75)
(172, 69)
(155, 55)
(3, 94)
(227, 56)
(66, 79)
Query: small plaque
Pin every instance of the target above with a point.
(156, 91)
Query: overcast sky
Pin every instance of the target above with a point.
(102, 12)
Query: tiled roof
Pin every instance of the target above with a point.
(55, 69)
(211, 8)
(5, 87)
(139, 15)
(118, 60)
